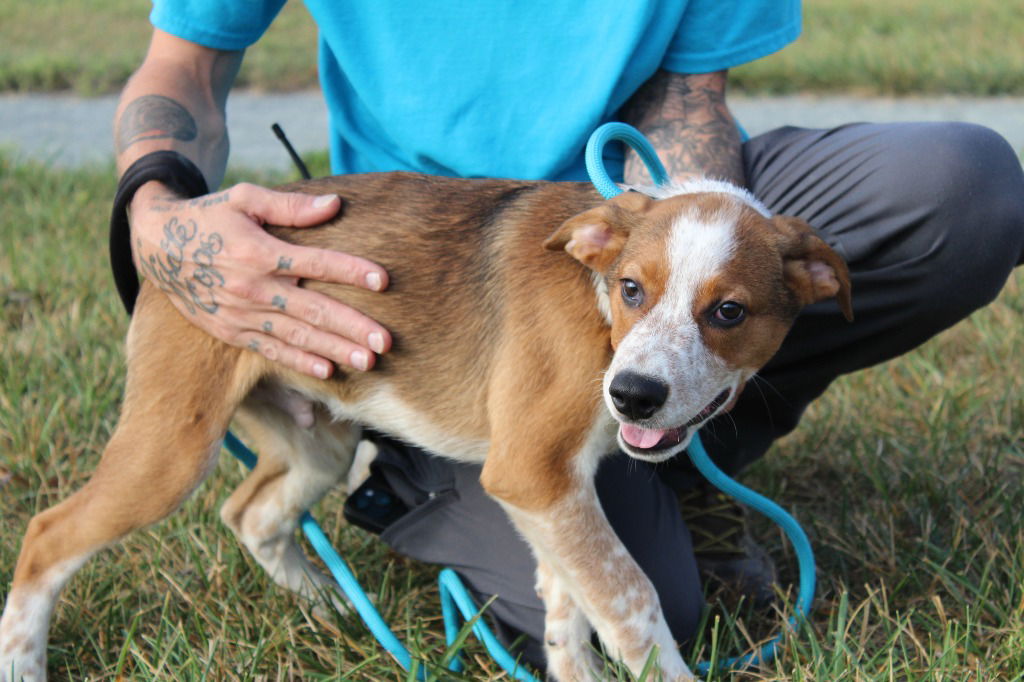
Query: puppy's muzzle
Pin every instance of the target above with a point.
(636, 396)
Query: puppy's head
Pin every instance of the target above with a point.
(703, 285)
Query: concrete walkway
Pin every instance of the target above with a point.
(67, 130)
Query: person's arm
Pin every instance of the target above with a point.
(686, 119)
(209, 254)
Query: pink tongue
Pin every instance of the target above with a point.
(640, 438)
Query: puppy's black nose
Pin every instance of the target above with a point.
(637, 396)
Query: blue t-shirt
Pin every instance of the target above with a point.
(478, 88)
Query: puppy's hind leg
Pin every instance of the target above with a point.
(181, 389)
(296, 467)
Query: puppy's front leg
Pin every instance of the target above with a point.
(553, 503)
(574, 539)
(566, 630)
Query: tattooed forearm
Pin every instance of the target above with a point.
(196, 282)
(686, 119)
(154, 117)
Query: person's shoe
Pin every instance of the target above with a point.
(724, 548)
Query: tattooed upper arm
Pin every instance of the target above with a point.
(154, 117)
(688, 122)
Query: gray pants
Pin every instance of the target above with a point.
(930, 219)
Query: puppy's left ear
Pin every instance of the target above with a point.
(596, 237)
(812, 269)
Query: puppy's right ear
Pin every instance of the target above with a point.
(596, 237)
(813, 271)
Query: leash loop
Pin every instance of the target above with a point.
(621, 132)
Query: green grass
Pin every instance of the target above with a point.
(906, 477)
(92, 47)
(898, 47)
(969, 47)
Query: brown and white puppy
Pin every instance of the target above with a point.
(526, 360)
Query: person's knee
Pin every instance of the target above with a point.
(991, 201)
(962, 184)
(947, 167)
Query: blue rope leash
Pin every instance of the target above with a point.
(457, 606)
(634, 138)
(792, 529)
(698, 455)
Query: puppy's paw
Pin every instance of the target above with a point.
(366, 452)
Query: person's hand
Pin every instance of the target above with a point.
(239, 284)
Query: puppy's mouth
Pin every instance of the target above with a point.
(640, 441)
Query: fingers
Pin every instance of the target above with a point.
(303, 330)
(301, 344)
(293, 209)
(329, 266)
(302, 361)
(323, 313)
(296, 209)
(307, 319)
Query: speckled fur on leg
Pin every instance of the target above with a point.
(566, 632)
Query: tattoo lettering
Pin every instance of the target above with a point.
(278, 302)
(686, 119)
(171, 203)
(254, 345)
(284, 263)
(154, 117)
(268, 326)
(205, 274)
(209, 200)
(195, 288)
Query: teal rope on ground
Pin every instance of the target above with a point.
(337, 566)
(454, 595)
(455, 598)
(797, 536)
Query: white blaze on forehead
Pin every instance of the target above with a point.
(699, 248)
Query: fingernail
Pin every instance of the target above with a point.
(376, 342)
(324, 200)
(321, 369)
(374, 281)
(360, 360)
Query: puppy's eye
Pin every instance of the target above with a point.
(728, 314)
(632, 293)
